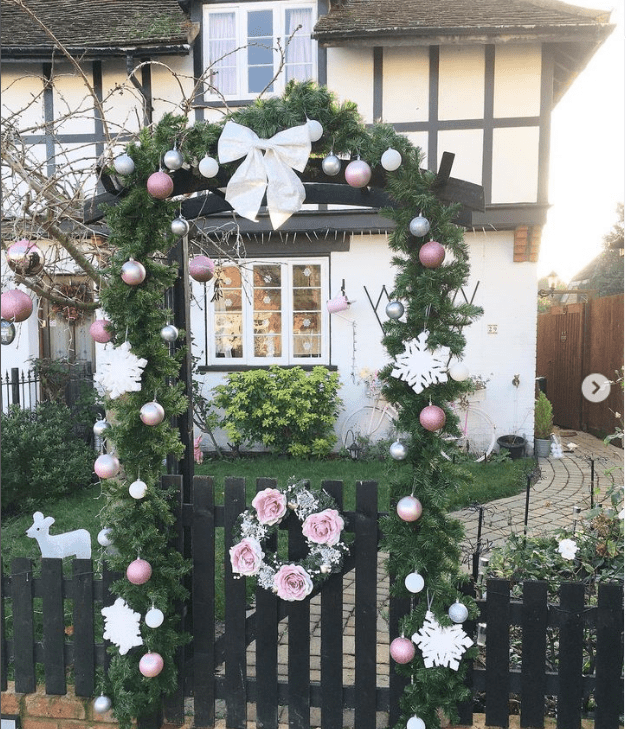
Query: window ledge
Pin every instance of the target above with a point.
(206, 368)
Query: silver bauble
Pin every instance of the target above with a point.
(458, 613)
(180, 227)
(419, 226)
(99, 427)
(25, 258)
(8, 332)
(152, 413)
(394, 310)
(154, 618)
(173, 160)
(397, 451)
(102, 704)
(133, 272)
(124, 165)
(169, 333)
(208, 167)
(331, 165)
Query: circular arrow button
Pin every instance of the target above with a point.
(596, 387)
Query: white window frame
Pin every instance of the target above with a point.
(287, 357)
(240, 11)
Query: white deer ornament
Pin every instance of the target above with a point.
(67, 544)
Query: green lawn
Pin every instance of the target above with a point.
(493, 480)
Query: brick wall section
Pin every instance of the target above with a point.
(40, 711)
(526, 244)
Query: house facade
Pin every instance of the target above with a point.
(476, 79)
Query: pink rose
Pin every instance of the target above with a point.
(323, 528)
(270, 505)
(292, 583)
(246, 556)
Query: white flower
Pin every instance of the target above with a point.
(568, 549)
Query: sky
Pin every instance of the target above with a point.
(587, 156)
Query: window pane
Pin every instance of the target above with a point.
(306, 276)
(260, 24)
(267, 322)
(267, 346)
(259, 77)
(266, 276)
(307, 347)
(259, 55)
(299, 50)
(228, 315)
(222, 59)
(306, 299)
(306, 323)
(267, 299)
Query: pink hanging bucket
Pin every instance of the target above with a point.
(337, 304)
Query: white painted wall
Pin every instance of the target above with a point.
(506, 292)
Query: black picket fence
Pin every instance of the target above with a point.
(217, 669)
(28, 388)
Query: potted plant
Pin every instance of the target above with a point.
(543, 426)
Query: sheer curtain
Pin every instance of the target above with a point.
(299, 54)
(222, 43)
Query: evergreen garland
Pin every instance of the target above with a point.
(140, 227)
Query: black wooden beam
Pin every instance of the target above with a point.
(320, 188)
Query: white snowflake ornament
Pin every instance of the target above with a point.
(120, 371)
(121, 626)
(441, 646)
(419, 366)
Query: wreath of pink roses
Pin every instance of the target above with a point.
(322, 526)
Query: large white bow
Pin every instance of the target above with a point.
(273, 171)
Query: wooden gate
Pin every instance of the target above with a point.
(573, 342)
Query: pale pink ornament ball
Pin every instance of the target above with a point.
(151, 664)
(201, 268)
(432, 254)
(106, 466)
(98, 331)
(402, 650)
(160, 185)
(139, 571)
(358, 174)
(432, 418)
(409, 508)
(15, 306)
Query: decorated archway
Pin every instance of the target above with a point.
(304, 147)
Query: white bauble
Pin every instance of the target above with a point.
(124, 165)
(103, 537)
(102, 704)
(208, 167)
(419, 226)
(458, 613)
(415, 722)
(391, 159)
(398, 450)
(459, 372)
(154, 618)
(137, 489)
(315, 130)
(414, 582)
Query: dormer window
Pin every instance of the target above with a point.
(241, 47)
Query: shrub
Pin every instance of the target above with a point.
(41, 456)
(543, 417)
(287, 410)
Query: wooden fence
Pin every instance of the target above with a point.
(217, 665)
(573, 342)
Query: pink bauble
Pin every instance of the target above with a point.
(201, 268)
(25, 257)
(358, 173)
(133, 272)
(432, 418)
(409, 508)
(151, 664)
(139, 572)
(15, 306)
(106, 466)
(432, 254)
(160, 185)
(402, 650)
(152, 413)
(98, 331)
